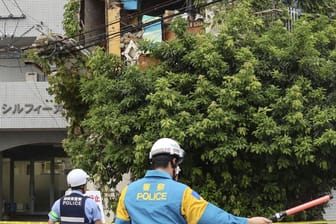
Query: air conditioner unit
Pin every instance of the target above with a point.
(31, 76)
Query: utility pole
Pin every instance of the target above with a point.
(113, 26)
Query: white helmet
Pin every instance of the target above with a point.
(167, 146)
(77, 177)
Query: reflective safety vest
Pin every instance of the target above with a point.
(72, 209)
(157, 198)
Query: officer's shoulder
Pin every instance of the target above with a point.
(179, 184)
(58, 201)
(89, 200)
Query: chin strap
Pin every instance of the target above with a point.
(176, 170)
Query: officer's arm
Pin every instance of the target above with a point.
(53, 215)
(193, 206)
(122, 216)
(96, 222)
(197, 210)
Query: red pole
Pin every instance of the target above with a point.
(307, 205)
(280, 215)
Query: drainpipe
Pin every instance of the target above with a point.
(113, 8)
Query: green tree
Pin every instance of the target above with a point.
(70, 18)
(254, 107)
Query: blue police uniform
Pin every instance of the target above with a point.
(75, 208)
(157, 198)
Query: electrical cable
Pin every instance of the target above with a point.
(10, 13)
(129, 16)
(27, 31)
(132, 15)
(169, 16)
(25, 14)
(108, 37)
(117, 34)
(17, 5)
(94, 40)
(123, 30)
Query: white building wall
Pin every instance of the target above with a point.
(28, 105)
(330, 211)
(15, 70)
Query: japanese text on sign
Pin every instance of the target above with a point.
(7, 109)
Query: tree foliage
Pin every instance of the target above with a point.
(254, 107)
(71, 18)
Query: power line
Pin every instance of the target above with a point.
(143, 12)
(93, 41)
(116, 34)
(17, 5)
(130, 16)
(4, 3)
(97, 38)
(112, 35)
(169, 16)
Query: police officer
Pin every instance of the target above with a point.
(75, 208)
(158, 198)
